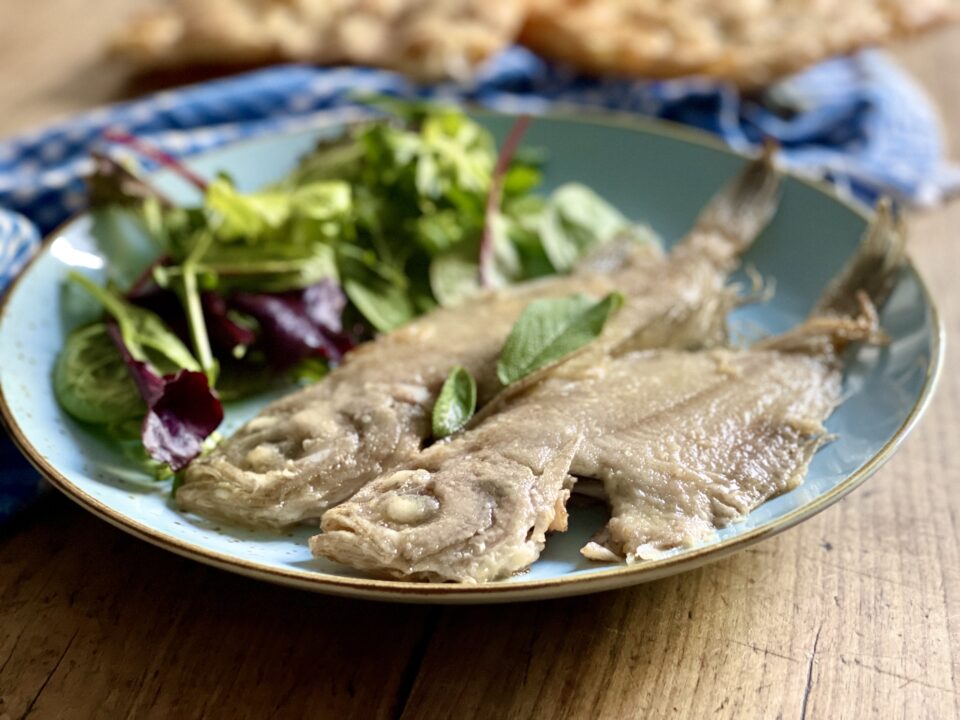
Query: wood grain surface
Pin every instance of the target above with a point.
(854, 614)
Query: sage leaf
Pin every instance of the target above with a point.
(549, 329)
(456, 403)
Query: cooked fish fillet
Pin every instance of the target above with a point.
(682, 441)
(315, 448)
(685, 442)
(743, 431)
(472, 510)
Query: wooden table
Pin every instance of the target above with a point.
(854, 614)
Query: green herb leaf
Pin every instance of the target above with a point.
(523, 215)
(454, 279)
(461, 150)
(438, 232)
(144, 333)
(574, 220)
(91, 381)
(385, 306)
(235, 216)
(189, 291)
(507, 267)
(311, 370)
(239, 380)
(174, 230)
(456, 403)
(336, 158)
(550, 329)
(324, 201)
(521, 179)
(265, 217)
(275, 275)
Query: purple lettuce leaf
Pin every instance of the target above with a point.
(225, 334)
(293, 325)
(182, 409)
(298, 324)
(163, 303)
(324, 303)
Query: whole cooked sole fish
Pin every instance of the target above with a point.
(684, 442)
(316, 447)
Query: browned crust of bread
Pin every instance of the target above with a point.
(747, 42)
(750, 43)
(425, 38)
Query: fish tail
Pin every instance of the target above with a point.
(741, 209)
(873, 270)
(828, 334)
(847, 310)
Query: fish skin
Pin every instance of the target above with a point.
(313, 449)
(489, 501)
(748, 434)
(655, 508)
(685, 443)
(669, 432)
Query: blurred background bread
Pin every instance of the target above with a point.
(747, 42)
(427, 39)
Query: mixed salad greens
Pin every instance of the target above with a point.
(371, 229)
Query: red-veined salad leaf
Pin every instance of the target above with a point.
(495, 197)
(298, 324)
(182, 409)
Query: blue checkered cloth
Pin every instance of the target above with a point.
(19, 483)
(859, 122)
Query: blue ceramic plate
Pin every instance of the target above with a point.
(654, 172)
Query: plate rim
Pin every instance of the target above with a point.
(405, 591)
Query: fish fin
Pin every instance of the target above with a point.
(828, 334)
(847, 310)
(872, 270)
(561, 518)
(602, 547)
(556, 472)
(762, 289)
(622, 251)
(742, 208)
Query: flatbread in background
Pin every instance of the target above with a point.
(748, 42)
(427, 39)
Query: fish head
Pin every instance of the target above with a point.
(471, 517)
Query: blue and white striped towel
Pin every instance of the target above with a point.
(860, 122)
